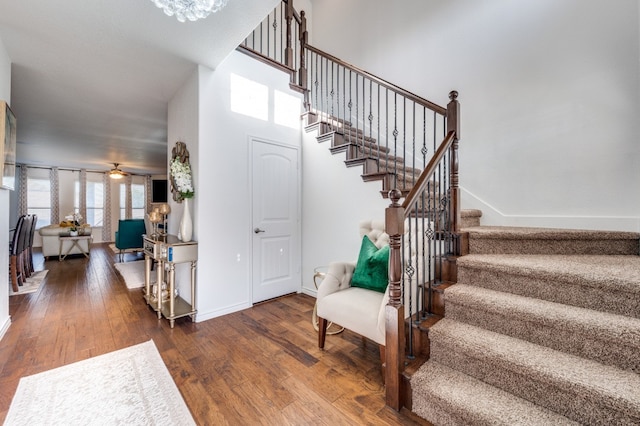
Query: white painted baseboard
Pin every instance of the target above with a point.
(5, 326)
(491, 216)
(203, 316)
(310, 292)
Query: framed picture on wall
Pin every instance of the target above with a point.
(7, 147)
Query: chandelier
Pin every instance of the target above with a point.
(190, 9)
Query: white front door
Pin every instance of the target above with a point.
(276, 230)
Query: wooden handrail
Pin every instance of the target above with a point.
(265, 59)
(411, 96)
(429, 170)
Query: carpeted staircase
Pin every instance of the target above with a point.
(543, 327)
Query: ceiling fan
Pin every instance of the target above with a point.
(116, 173)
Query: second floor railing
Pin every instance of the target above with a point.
(278, 38)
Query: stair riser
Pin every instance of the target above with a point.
(468, 222)
(558, 336)
(470, 218)
(437, 411)
(447, 397)
(562, 397)
(620, 303)
(549, 247)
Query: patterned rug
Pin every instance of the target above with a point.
(130, 386)
(31, 284)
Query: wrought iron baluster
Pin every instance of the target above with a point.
(370, 116)
(357, 104)
(350, 104)
(404, 143)
(413, 145)
(395, 140)
(386, 128)
(282, 61)
(334, 119)
(378, 131)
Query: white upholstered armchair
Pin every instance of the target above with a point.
(358, 309)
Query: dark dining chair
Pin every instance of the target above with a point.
(15, 270)
(29, 249)
(23, 248)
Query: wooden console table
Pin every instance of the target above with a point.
(169, 250)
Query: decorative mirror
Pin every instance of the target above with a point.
(180, 173)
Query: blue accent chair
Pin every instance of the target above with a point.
(129, 235)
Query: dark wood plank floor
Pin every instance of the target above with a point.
(258, 366)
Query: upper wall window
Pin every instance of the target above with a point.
(249, 98)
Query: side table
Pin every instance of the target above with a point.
(75, 242)
(318, 274)
(168, 250)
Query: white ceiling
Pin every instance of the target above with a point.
(91, 79)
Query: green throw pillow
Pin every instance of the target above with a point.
(372, 269)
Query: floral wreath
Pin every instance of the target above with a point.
(180, 173)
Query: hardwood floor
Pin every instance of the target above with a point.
(258, 366)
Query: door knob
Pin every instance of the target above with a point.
(258, 230)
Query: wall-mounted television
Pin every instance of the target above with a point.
(159, 190)
(7, 147)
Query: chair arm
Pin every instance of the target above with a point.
(338, 277)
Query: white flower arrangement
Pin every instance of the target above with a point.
(75, 219)
(181, 177)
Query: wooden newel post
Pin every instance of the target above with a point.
(288, 51)
(453, 124)
(394, 311)
(302, 73)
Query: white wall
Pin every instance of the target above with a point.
(218, 142)
(183, 119)
(550, 96)
(335, 201)
(5, 94)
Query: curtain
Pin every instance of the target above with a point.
(106, 218)
(55, 195)
(83, 193)
(147, 193)
(128, 212)
(22, 195)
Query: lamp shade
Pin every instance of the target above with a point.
(155, 217)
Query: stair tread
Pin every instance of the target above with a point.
(514, 232)
(472, 401)
(619, 272)
(604, 337)
(606, 385)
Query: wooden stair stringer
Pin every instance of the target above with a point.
(364, 151)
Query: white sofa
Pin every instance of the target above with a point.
(51, 243)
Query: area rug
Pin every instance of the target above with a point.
(132, 272)
(129, 250)
(130, 386)
(31, 284)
